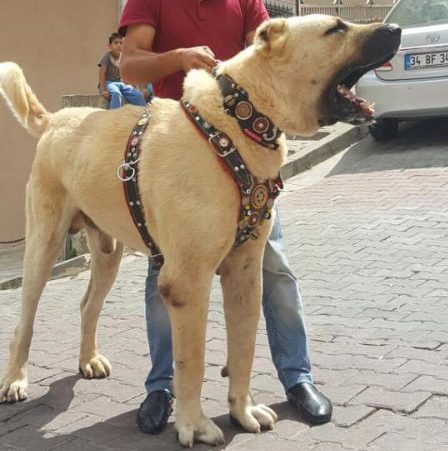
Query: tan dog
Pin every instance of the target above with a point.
(298, 72)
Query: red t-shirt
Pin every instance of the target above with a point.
(220, 24)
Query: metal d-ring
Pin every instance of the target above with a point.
(126, 167)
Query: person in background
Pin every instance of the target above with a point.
(164, 40)
(110, 84)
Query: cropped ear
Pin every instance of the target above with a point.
(272, 34)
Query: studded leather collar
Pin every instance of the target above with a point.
(257, 196)
(254, 124)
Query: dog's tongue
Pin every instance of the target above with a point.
(362, 104)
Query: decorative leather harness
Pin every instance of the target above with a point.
(257, 196)
(128, 174)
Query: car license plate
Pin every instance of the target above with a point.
(414, 61)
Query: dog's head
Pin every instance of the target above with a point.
(312, 62)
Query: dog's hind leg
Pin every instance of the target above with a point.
(186, 289)
(48, 213)
(242, 285)
(105, 261)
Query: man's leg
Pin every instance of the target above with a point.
(132, 95)
(155, 410)
(113, 88)
(288, 339)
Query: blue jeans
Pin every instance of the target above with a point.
(283, 311)
(118, 90)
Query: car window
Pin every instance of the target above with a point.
(418, 13)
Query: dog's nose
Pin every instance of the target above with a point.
(393, 29)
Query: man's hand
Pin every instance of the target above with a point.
(146, 94)
(197, 58)
(105, 94)
(140, 65)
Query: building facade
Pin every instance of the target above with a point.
(294, 3)
(58, 44)
(362, 11)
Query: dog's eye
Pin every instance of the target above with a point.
(340, 27)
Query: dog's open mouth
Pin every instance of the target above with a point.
(362, 109)
(342, 104)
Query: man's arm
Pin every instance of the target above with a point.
(250, 37)
(138, 64)
(255, 14)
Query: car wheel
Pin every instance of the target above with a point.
(384, 129)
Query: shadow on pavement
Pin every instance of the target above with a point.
(421, 144)
(20, 423)
(29, 425)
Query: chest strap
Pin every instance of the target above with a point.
(128, 173)
(257, 197)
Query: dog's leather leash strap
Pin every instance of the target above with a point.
(129, 177)
(254, 124)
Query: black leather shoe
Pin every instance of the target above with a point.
(312, 405)
(154, 411)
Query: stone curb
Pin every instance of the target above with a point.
(66, 268)
(314, 154)
(322, 150)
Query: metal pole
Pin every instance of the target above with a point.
(369, 11)
(337, 4)
(121, 4)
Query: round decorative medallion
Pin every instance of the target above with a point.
(260, 196)
(243, 110)
(254, 219)
(223, 141)
(143, 121)
(260, 125)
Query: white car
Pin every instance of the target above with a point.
(414, 83)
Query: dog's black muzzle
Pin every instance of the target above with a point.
(382, 43)
(338, 103)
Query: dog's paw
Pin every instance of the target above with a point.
(204, 430)
(254, 418)
(97, 367)
(13, 390)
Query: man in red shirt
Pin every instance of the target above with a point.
(164, 40)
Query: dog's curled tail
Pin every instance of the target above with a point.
(21, 99)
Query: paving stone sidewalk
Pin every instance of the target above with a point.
(367, 234)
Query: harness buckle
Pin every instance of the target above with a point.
(225, 155)
(213, 136)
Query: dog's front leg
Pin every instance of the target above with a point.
(242, 285)
(186, 293)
